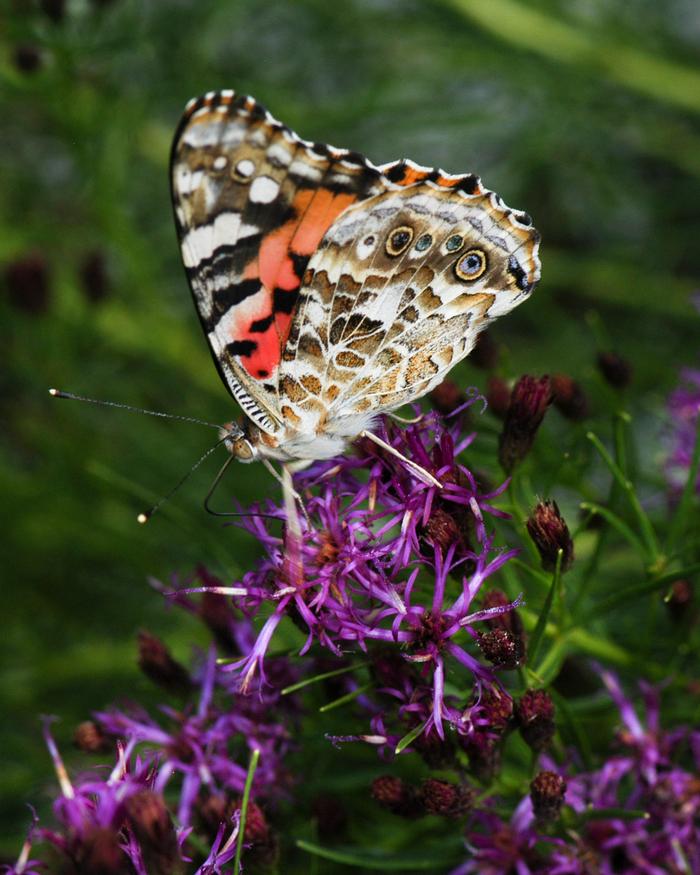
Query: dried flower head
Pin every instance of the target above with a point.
(616, 370)
(534, 712)
(547, 791)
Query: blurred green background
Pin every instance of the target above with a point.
(585, 114)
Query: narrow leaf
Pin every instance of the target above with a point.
(368, 862)
(343, 700)
(410, 737)
(538, 633)
(252, 766)
(321, 677)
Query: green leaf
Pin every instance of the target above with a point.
(409, 737)
(321, 677)
(368, 862)
(536, 638)
(639, 589)
(583, 746)
(617, 523)
(343, 700)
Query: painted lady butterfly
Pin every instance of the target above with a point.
(331, 290)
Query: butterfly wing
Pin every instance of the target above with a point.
(252, 202)
(397, 293)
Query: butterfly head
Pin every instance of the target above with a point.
(237, 442)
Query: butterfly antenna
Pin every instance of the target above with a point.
(145, 517)
(56, 393)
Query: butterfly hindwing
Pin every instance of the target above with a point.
(252, 203)
(397, 293)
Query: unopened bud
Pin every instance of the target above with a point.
(156, 662)
(396, 795)
(547, 792)
(485, 352)
(497, 396)
(550, 534)
(679, 599)
(569, 398)
(447, 397)
(150, 821)
(616, 370)
(446, 799)
(529, 401)
(89, 737)
(535, 717)
(501, 648)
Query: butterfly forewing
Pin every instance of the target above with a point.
(252, 202)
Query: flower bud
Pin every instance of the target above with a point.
(508, 620)
(529, 401)
(99, 852)
(501, 648)
(679, 599)
(569, 398)
(156, 662)
(93, 276)
(547, 791)
(534, 713)
(446, 799)
(497, 396)
(447, 397)
(331, 817)
(27, 281)
(615, 370)
(154, 830)
(27, 58)
(550, 534)
(396, 795)
(441, 529)
(54, 9)
(485, 352)
(89, 737)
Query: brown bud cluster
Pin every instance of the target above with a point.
(27, 282)
(529, 401)
(446, 799)
(497, 396)
(679, 600)
(547, 792)
(534, 714)
(509, 620)
(501, 648)
(89, 737)
(157, 663)
(616, 370)
(396, 795)
(569, 398)
(93, 276)
(550, 534)
(485, 352)
(154, 830)
(484, 745)
(447, 397)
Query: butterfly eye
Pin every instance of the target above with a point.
(454, 243)
(471, 266)
(399, 239)
(423, 243)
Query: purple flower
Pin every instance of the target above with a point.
(370, 568)
(684, 409)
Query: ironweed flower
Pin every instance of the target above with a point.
(529, 401)
(387, 560)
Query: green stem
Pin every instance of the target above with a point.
(252, 766)
(680, 516)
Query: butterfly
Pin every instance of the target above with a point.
(332, 290)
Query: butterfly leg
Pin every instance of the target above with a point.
(404, 420)
(421, 473)
(290, 495)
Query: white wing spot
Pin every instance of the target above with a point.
(264, 190)
(245, 168)
(366, 246)
(220, 162)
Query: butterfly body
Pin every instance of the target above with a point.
(332, 290)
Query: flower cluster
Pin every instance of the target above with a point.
(638, 812)
(387, 559)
